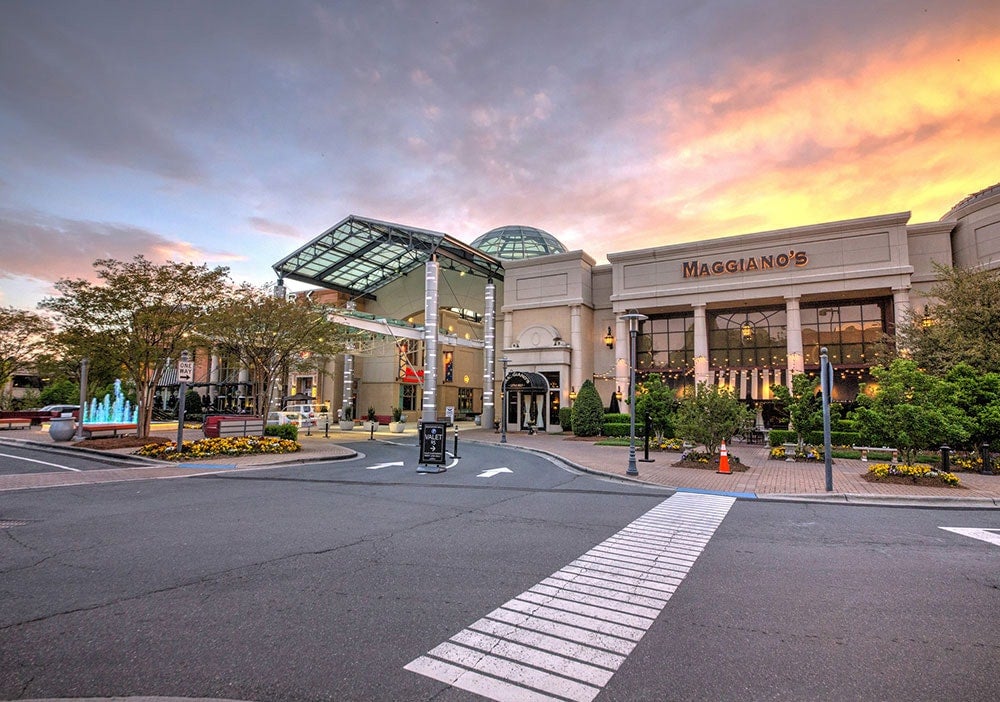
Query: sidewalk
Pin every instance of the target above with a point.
(764, 479)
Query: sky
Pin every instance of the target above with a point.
(232, 132)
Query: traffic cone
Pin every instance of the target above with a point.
(724, 461)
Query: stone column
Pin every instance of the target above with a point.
(700, 344)
(489, 354)
(576, 343)
(621, 356)
(213, 378)
(793, 343)
(429, 409)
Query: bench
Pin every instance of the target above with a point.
(885, 449)
(251, 426)
(88, 430)
(15, 423)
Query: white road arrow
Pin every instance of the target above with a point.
(383, 465)
(493, 471)
(986, 535)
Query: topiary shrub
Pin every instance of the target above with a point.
(588, 411)
(282, 431)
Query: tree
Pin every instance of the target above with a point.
(656, 400)
(909, 410)
(804, 405)
(588, 411)
(272, 336)
(964, 325)
(139, 317)
(711, 415)
(24, 336)
(978, 395)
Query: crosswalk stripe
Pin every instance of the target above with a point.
(565, 637)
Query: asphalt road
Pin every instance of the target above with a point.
(20, 459)
(325, 582)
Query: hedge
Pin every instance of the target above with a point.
(777, 437)
(282, 431)
(620, 429)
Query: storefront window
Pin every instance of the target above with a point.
(665, 344)
(747, 339)
(851, 332)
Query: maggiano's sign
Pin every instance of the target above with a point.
(700, 269)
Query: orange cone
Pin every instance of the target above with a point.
(724, 460)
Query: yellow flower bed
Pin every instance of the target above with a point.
(228, 446)
(671, 445)
(884, 471)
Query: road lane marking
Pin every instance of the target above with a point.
(44, 463)
(564, 638)
(986, 535)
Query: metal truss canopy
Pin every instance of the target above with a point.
(359, 255)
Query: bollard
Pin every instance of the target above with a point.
(456, 443)
(984, 453)
(371, 437)
(645, 451)
(945, 458)
(326, 429)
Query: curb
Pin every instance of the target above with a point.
(847, 499)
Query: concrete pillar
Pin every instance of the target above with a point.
(901, 310)
(621, 356)
(793, 348)
(489, 354)
(700, 345)
(213, 378)
(429, 410)
(348, 383)
(576, 343)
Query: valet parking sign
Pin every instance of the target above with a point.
(433, 438)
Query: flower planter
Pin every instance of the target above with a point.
(369, 425)
(397, 427)
(346, 424)
(790, 450)
(62, 428)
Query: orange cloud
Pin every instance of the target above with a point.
(914, 128)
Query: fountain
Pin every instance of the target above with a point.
(111, 411)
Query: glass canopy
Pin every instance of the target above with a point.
(359, 255)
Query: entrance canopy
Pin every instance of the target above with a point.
(526, 381)
(359, 255)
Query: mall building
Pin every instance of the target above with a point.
(514, 320)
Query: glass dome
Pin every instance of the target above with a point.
(515, 242)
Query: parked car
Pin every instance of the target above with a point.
(276, 418)
(59, 409)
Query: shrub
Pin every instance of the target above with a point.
(617, 418)
(566, 418)
(777, 437)
(283, 431)
(588, 411)
(397, 414)
(837, 438)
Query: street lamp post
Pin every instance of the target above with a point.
(503, 402)
(826, 389)
(633, 328)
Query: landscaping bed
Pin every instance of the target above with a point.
(702, 461)
(228, 446)
(922, 475)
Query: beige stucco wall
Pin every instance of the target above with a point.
(976, 238)
(849, 257)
